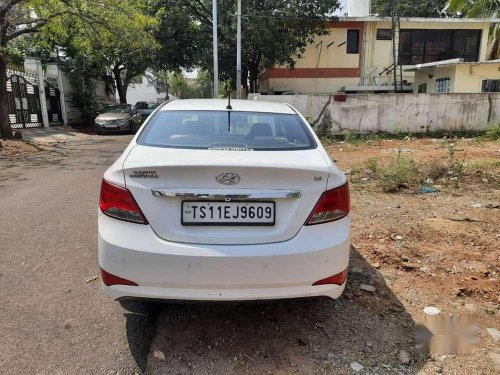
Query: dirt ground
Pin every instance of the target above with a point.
(17, 148)
(416, 249)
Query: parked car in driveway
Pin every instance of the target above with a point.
(218, 202)
(117, 118)
(145, 109)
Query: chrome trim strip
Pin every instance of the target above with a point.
(229, 194)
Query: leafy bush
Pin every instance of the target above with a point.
(373, 166)
(456, 168)
(324, 128)
(434, 169)
(351, 138)
(401, 173)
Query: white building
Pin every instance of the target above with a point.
(141, 90)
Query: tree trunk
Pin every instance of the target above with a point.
(253, 69)
(254, 76)
(5, 127)
(120, 88)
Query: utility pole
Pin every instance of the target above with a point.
(238, 52)
(216, 58)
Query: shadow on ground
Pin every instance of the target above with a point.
(311, 336)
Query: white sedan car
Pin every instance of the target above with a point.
(212, 201)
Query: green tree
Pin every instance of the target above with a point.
(179, 86)
(84, 25)
(410, 8)
(204, 84)
(274, 32)
(481, 9)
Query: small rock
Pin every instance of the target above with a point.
(357, 367)
(408, 266)
(494, 333)
(369, 344)
(396, 237)
(404, 357)
(159, 355)
(376, 265)
(367, 288)
(431, 310)
(477, 205)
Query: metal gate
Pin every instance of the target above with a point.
(54, 111)
(24, 103)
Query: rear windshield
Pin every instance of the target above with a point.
(143, 105)
(227, 130)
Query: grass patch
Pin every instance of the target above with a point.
(483, 165)
(403, 172)
(493, 132)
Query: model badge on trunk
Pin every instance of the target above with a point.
(228, 178)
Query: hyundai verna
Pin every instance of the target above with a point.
(212, 201)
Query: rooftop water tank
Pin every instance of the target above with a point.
(358, 8)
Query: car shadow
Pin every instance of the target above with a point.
(313, 335)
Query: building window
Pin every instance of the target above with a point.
(418, 46)
(353, 41)
(491, 85)
(422, 88)
(443, 85)
(384, 34)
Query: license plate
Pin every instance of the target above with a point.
(228, 213)
(110, 126)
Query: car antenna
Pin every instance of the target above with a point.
(229, 113)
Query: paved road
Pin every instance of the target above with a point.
(51, 320)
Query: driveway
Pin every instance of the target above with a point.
(54, 318)
(52, 321)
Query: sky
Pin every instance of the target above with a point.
(343, 7)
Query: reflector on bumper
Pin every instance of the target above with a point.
(109, 279)
(337, 279)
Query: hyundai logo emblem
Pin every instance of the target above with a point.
(228, 178)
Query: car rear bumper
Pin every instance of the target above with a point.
(179, 271)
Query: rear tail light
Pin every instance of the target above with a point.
(119, 203)
(333, 205)
(109, 279)
(337, 279)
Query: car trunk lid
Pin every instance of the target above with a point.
(160, 179)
